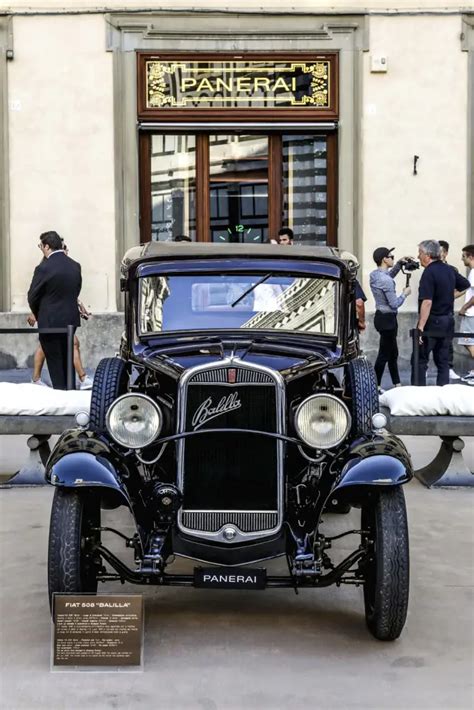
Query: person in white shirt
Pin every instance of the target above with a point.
(467, 311)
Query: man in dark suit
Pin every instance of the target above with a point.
(52, 297)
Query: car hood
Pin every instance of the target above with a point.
(292, 359)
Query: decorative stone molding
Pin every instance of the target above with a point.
(467, 45)
(167, 31)
(6, 53)
(130, 32)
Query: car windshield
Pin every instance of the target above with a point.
(251, 301)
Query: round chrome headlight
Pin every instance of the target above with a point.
(134, 421)
(322, 421)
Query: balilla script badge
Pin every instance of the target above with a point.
(206, 411)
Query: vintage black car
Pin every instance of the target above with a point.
(238, 416)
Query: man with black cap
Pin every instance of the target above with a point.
(387, 303)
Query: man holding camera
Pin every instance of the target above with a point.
(387, 303)
(436, 301)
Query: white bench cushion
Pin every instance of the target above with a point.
(453, 400)
(34, 400)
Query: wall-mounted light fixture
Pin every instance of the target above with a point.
(415, 161)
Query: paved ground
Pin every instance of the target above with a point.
(214, 650)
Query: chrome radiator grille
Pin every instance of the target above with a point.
(208, 521)
(227, 476)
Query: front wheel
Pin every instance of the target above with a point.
(72, 562)
(387, 570)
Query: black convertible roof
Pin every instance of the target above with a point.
(176, 250)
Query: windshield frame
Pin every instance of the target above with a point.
(241, 267)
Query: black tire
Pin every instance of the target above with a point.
(387, 573)
(72, 563)
(364, 395)
(110, 381)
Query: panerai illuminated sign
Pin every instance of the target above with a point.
(237, 84)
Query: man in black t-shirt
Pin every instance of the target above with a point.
(436, 298)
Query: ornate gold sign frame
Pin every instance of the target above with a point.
(179, 86)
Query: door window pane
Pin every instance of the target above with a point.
(238, 188)
(305, 187)
(173, 186)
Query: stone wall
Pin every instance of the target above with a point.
(99, 337)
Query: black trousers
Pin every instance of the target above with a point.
(387, 326)
(55, 350)
(443, 327)
(451, 355)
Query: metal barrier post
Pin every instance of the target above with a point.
(415, 336)
(71, 375)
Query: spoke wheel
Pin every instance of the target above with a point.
(72, 563)
(386, 572)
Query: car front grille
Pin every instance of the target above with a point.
(231, 477)
(246, 522)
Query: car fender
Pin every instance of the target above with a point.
(83, 459)
(377, 470)
(86, 470)
(81, 469)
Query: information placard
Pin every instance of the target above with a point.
(97, 631)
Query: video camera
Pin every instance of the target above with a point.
(408, 266)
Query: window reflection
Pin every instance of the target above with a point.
(154, 291)
(305, 187)
(173, 186)
(238, 188)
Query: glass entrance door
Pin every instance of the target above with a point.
(234, 187)
(238, 188)
(306, 181)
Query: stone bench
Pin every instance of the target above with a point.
(448, 467)
(40, 429)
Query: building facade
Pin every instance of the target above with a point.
(354, 127)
